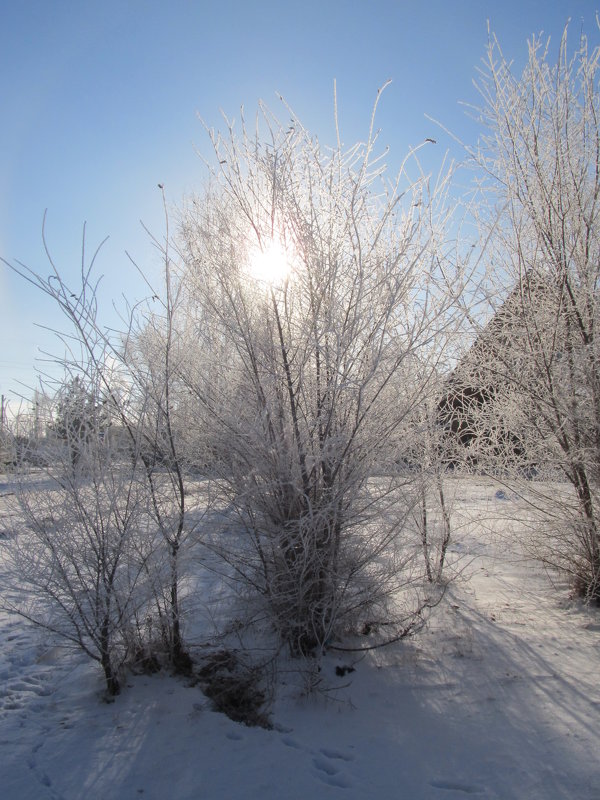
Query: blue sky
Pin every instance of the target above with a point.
(100, 103)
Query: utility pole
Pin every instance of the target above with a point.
(2, 421)
(36, 420)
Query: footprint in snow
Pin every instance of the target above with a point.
(455, 786)
(289, 742)
(324, 762)
(336, 754)
(325, 766)
(39, 773)
(329, 773)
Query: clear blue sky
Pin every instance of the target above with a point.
(100, 102)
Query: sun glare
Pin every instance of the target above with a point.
(271, 265)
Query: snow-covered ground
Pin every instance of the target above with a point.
(498, 697)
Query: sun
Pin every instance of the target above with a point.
(270, 264)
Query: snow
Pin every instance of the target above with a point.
(497, 698)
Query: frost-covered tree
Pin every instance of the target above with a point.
(540, 357)
(315, 287)
(81, 418)
(114, 509)
(81, 555)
